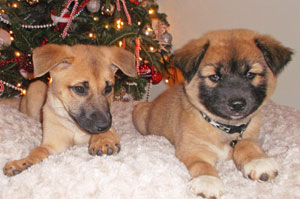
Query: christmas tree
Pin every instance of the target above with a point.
(134, 25)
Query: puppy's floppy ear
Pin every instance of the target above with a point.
(188, 58)
(123, 60)
(275, 54)
(47, 57)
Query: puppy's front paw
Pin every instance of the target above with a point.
(261, 169)
(207, 186)
(105, 144)
(17, 166)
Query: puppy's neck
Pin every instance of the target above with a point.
(230, 129)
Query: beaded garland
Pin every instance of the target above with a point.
(3, 63)
(23, 91)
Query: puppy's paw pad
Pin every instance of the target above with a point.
(206, 186)
(16, 167)
(264, 169)
(105, 145)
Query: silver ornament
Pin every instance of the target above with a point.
(93, 6)
(4, 39)
(166, 37)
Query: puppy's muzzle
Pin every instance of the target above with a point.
(94, 122)
(102, 121)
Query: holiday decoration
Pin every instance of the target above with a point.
(107, 9)
(25, 25)
(137, 53)
(23, 91)
(136, 2)
(26, 67)
(122, 95)
(148, 91)
(156, 77)
(125, 10)
(93, 6)
(147, 3)
(146, 70)
(166, 37)
(4, 39)
(161, 35)
(1, 88)
(147, 30)
(32, 2)
(64, 34)
(60, 19)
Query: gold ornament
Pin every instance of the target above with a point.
(107, 10)
(32, 2)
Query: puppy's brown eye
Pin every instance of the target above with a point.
(79, 90)
(250, 75)
(214, 78)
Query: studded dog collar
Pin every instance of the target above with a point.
(230, 129)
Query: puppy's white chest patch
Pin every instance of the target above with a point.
(223, 153)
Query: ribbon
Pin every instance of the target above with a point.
(63, 18)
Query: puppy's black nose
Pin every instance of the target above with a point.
(237, 105)
(102, 121)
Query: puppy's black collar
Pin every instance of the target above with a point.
(230, 129)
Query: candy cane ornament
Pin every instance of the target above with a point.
(64, 34)
(137, 54)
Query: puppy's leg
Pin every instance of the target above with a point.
(55, 140)
(253, 162)
(140, 117)
(105, 143)
(17, 166)
(200, 163)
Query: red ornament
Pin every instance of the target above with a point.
(135, 2)
(45, 41)
(146, 70)
(156, 77)
(26, 63)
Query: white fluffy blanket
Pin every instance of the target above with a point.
(146, 167)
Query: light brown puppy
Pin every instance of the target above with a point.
(77, 107)
(215, 114)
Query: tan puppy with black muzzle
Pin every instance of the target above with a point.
(215, 114)
(77, 107)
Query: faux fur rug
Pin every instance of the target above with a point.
(146, 167)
